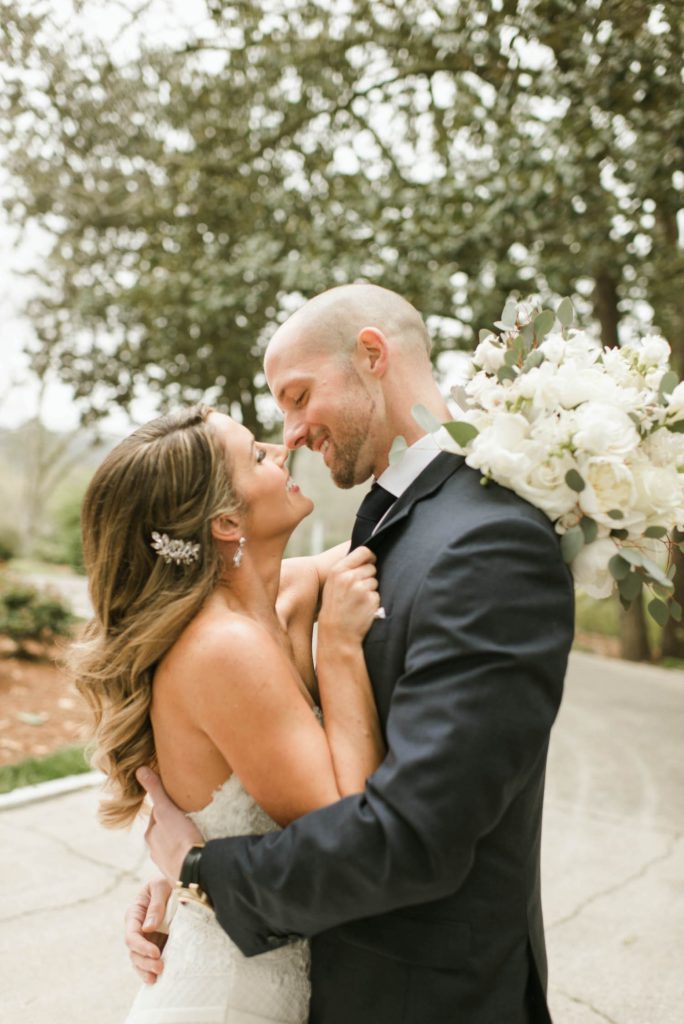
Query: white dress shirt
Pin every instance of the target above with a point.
(398, 477)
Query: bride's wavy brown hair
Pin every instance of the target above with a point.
(170, 476)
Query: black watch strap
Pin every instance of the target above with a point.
(189, 881)
(190, 868)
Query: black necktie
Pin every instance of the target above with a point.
(371, 511)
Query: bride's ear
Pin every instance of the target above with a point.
(225, 528)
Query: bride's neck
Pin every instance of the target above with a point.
(252, 587)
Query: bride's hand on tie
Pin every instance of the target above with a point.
(142, 919)
(350, 597)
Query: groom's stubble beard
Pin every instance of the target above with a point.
(354, 432)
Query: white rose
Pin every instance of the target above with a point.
(609, 486)
(675, 403)
(654, 351)
(590, 568)
(489, 355)
(544, 486)
(554, 348)
(619, 366)
(499, 451)
(571, 385)
(664, 448)
(602, 429)
(659, 493)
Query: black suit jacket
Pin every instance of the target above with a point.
(422, 894)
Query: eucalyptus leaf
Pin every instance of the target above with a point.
(659, 611)
(676, 428)
(527, 336)
(425, 419)
(676, 610)
(655, 532)
(632, 556)
(535, 358)
(631, 585)
(397, 450)
(462, 432)
(565, 312)
(656, 573)
(572, 543)
(575, 481)
(616, 513)
(618, 568)
(506, 373)
(620, 534)
(589, 528)
(509, 314)
(511, 357)
(668, 383)
(543, 323)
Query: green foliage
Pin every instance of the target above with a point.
(30, 615)
(64, 545)
(10, 544)
(70, 761)
(413, 144)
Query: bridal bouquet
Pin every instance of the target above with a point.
(593, 437)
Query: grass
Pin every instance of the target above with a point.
(69, 761)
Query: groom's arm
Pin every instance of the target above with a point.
(470, 719)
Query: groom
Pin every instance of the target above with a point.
(421, 895)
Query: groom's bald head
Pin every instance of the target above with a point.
(332, 321)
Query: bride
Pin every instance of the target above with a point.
(199, 660)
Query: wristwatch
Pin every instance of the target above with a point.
(188, 885)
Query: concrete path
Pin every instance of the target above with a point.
(613, 871)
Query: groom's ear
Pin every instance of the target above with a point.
(225, 528)
(373, 350)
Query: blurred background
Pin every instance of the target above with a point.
(177, 178)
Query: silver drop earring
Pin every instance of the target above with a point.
(237, 557)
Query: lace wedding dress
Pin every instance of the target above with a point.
(206, 979)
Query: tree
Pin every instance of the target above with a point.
(455, 151)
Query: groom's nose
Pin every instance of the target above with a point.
(294, 433)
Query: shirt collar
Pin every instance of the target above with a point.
(399, 476)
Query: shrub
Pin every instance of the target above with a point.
(9, 544)
(32, 617)
(63, 546)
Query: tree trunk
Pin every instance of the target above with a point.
(673, 634)
(634, 645)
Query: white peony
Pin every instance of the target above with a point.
(659, 493)
(609, 486)
(544, 485)
(604, 430)
(654, 351)
(664, 448)
(489, 355)
(590, 568)
(499, 451)
(675, 404)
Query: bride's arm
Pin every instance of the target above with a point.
(349, 709)
(301, 583)
(260, 720)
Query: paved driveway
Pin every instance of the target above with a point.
(613, 871)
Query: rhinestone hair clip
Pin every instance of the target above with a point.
(181, 552)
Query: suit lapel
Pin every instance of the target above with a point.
(426, 483)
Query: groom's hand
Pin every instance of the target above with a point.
(170, 833)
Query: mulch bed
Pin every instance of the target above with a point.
(40, 710)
